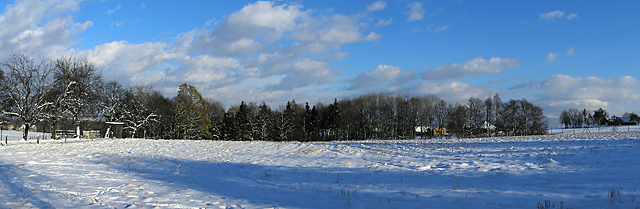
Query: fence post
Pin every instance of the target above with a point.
(6, 139)
(38, 139)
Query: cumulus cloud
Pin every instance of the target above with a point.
(571, 52)
(265, 49)
(205, 69)
(304, 73)
(569, 87)
(416, 12)
(111, 11)
(249, 30)
(437, 29)
(473, 67)
(557, 15)
(384, 22)
(259, 25)
(453, 91)
(560, 92)
(378, 76)
(552, 15)
(551, 57)
(378, 5)
(130, 58)
(42, 28)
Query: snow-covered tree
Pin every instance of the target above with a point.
(79, 83)
(191, 112)
(133, 112)
(110, 100)
(264, 121)
(27, 83)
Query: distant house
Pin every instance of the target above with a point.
(486, 127)
(625, 121)
(423, 131)
(430, 131)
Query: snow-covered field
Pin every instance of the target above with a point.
(568, 171)
(603, 129)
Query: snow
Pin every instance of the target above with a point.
(602, 129)
(576, 171)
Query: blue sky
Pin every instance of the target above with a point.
(557, 54)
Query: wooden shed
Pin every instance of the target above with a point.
(114, 130)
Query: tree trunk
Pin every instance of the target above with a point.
(26, 131)
(53, 131)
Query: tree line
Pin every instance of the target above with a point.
(380, 116)
(71, 90)
(575, 118)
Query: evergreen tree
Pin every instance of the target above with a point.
(294, 113)
(191, 112)
(244, 118)
(330, 120)
(230, 130)
(600, 117)
(313, 124)
(307, 122)
(264, 122)
(283, 126)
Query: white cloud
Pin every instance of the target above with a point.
(571, 16)
(267, 15)
(496, 80)
(343, 30)
(552, 15)
(118, 23)
(306, 72)
(266, 50)
(437, 29)
(473, 67)
(569, 87)
(131, 58)
(451, 92)
(375, 77)
(561, 92)
(378, 5)
(372, 36)
(416, 12)
(111, 11)
(41, 28)
(551, 57)
(571, 52)
(384, 22)
(259, 25)
(439, 11)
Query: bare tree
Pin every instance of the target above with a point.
(27, 83)
(215, 110)
(83, 83)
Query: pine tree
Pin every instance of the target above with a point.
(191, 111)
(244, 119)
(264, 121)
